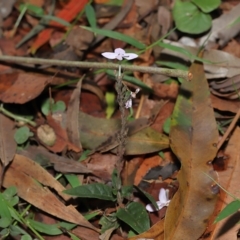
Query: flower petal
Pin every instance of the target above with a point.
(119, 51)
(128, 103)
(151, 208)
(130, 56)
(163, 198)
(109, 55)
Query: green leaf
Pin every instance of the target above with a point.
(148, 196)
(174, 65)
(116, 181)
(32, 8)
(73, 180)
(206, 5)
(94, 190)
(26, 237)
(136, 216)
(230, 209)
(183, 51)
(5, 214)
(127, 191)
(10, 195)
(5, 222)
(167, 125)
(91, 16)
(50, 229)
(189, 19)
(91, 215)
(108, 222)
(16, 230)
(48, 18)
(22, 134)
(116, 35)
(111, 105)
(48, 106)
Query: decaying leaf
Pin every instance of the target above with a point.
(21, 87)
(155, 232)
(193, 139)
(8, 145)
(101, 135)
(61, 164)
(26, 175)
(72, 116)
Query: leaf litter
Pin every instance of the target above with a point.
(172, 132)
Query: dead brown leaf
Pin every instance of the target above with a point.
(73, 116)
(8, 145)
(62, 141)
(21, 87)
(23, 173)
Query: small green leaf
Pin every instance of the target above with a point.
(26, 237)
(59, 106)
(48, 106)
(91, 215)
(127, 191)
(16, 230)
(22, 134)
(183, 51)
(189, 19)
(116, 181)
(136, 216)
(50, 229)
(109, 222)
(73, 180)
(111, 105)
(95, 190)
(167, 125)
(230, 209)
(91, 16)
(174, 65)
(117, 35)
(5, 222)
(32, 8)
(206, 5)
(10, 195)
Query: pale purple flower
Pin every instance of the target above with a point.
(163, 201)
(119, 54)
(128, 103)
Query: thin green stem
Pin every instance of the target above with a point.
(15, 117)
(96, 65)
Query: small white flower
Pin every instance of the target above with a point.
(119, 54)
(128, 103)
(163, 201)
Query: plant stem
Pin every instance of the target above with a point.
(15, 117)
(151, 70)
(122, 136)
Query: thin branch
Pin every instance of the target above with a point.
(41, 61)
(229, 130)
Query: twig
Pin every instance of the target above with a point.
(230, 128)
(42, 61)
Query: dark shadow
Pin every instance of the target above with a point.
(229, 224)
